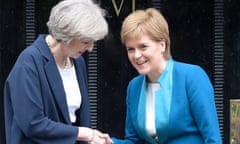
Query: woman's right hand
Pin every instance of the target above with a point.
(93, 136)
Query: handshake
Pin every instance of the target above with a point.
(93, 136)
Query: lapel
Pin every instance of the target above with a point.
(139, 107)
(176, 91)
(53, 77)
(80, 77)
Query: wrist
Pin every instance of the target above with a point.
(86, 134)
(92, 136)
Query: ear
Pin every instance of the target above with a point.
(162, 45)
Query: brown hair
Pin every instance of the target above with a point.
(149, 21)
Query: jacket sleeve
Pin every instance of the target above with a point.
(201, 97)
(131, 135)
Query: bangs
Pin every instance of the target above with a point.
(131, 31)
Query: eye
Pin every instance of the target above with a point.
(143, 46)
(86, 42)
(129, 49)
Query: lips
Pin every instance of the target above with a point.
(141, 62)
(80, 52)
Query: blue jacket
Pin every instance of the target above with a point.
(193, 117)
(35, 102)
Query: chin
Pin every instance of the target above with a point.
(142, 72)
(76, 56)
(142, 69)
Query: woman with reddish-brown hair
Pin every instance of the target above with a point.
(169, 102)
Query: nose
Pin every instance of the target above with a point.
(137, 54)
(90, 47)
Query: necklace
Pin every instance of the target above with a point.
(67, 63)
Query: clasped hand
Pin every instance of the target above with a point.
(100, 138)
(93, 136)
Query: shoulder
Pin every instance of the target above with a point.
(37, 50)
(135, 84)
(193, 74)
(136, 80)
(185, 66)
(27, 57)
(187, 69)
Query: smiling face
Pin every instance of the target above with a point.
(145, 54)
(77, 47)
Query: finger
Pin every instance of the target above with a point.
(104, 135)
(108, 139)
(99, 133)
(99, 140)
